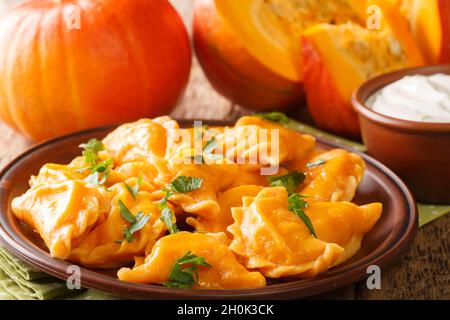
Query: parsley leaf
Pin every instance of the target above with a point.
(91, 150)
(136, 222)
(99, 172)
(208, 148)
(184, 273)
(290, 181)
(182, 184)
(315, 163)
(134, 191)
(297, 204)
(167, 217)
(277, 117)
(141, 220)
(125, 213)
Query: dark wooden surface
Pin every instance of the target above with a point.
(421, 273)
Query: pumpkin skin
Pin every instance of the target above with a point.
(233, 70)
(128, 59)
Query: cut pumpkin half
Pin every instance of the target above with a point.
(271, 29)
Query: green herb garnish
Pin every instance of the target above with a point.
(184, 273)
(208, 149)
(91, 150)
(182, 184)
(134, 191)
(297, 204)
(167, 217)
(99, 169)
(99, 172)
(136, 222)
(275, 116)
(290, 181)
(315, 163)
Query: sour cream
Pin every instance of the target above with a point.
(417, 98)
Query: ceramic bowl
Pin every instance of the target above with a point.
(419, 152)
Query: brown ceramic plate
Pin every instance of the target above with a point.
(385, 242)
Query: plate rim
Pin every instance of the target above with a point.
(30, 253)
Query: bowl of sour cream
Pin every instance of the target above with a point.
(405, 123)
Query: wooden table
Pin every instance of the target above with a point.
(421, 273)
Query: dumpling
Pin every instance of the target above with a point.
(105, 246)
(135, 169)
(144, 140)
(269, 237)
(227, 200)
(225, 272)
(62, 213)
(215, 178)
(54, 173)
(343, 223)
(251, 142)
(293, 144)
(140, 140)
(334, 175)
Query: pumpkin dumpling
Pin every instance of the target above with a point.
(330, 176)
(144, 140)
(227, 200)
(269, 237)
(62, 213)
(203, 201)
(225, 271)
(54, 173)
(258, 142)
(135, 169)
(106, 245)
(136, 141)
(343, 223)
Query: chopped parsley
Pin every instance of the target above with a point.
(208, 149)
(91, 150)
(184, 273)
(182, 184)
(134, 191)
(277, 117)
(315, 163)
(99, 169)
(290, 181)
(297, 204)
(136, 222)
(99, 172)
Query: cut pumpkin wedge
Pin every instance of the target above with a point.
(337, 59)
(430, 24)
(397, 25)
(271, 29)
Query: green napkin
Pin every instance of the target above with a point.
(20, 281)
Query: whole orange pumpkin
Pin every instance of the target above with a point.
(66, 65)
